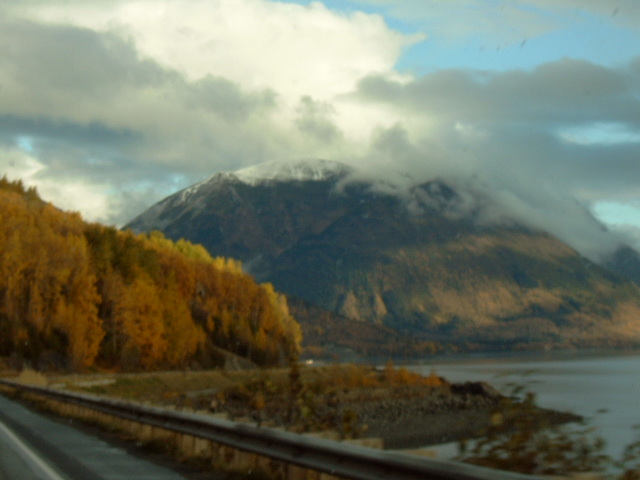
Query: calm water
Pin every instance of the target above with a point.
(604, 389)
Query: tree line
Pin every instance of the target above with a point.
(83, 294)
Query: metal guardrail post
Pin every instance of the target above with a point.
(339, 459)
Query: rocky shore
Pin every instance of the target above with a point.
(412, 421)
(405, 417)
(404, 409)
(465, 413)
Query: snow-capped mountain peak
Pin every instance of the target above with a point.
(284, 171)
(194, 198)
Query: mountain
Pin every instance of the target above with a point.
(626, 262)
(420, 262)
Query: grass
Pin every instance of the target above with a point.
(299, 398)
(179, 386)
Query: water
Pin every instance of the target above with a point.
(603, 389)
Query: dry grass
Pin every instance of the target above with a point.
(178, 387)
(31, 377)
(300, 398)
(155, 387)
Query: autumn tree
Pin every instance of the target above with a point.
(92, 294)
(48, 294)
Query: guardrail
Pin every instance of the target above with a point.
(335, 458)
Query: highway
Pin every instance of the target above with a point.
(33, 447)
(18, 460)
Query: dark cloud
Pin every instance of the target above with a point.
(315, 119)
(44, 64)
(563, 91)
(225, 98)
(61, 130)
(93, 109)
(505, 135)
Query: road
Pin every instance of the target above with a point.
(18, 460)
(33, 447)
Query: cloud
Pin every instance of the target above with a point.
(564, 91)
(124, 102)
(62, 130)
(225, 98)
(139, 98)
(18, 165)
(314, 119)
(504, 135)
(255, 43)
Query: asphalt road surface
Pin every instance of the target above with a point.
(33, 447)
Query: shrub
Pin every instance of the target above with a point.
(521, 439)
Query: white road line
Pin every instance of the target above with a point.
(29, 455)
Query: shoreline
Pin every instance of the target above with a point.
(436, 429)
(404, 416)
(418, 427)
(518, 356)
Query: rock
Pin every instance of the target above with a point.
(475, 388)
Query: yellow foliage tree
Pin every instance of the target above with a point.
(94, 294)
(138, 319)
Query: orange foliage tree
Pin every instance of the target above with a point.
(91, 294)
(48, 298)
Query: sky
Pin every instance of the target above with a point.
(533, 105)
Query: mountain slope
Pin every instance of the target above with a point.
(422, 262)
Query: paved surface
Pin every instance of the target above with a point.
(33, 447)
(19, 460)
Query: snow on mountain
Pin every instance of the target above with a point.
(273, 171)
(193, 199)
(283, 171)
(432, 263)
(186, 195)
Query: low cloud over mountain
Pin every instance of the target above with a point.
(429, 259)
(107, 108)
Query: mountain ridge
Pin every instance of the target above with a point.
(423, 263)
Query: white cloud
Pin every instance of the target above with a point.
(469, 133)
(95, 107)
(96, 204)
(17, 164)
(532, 141)
(293, 49)
(197, 86)
(110, 106)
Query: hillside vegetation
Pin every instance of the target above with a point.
(77, 295)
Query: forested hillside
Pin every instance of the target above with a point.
(77, 295)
